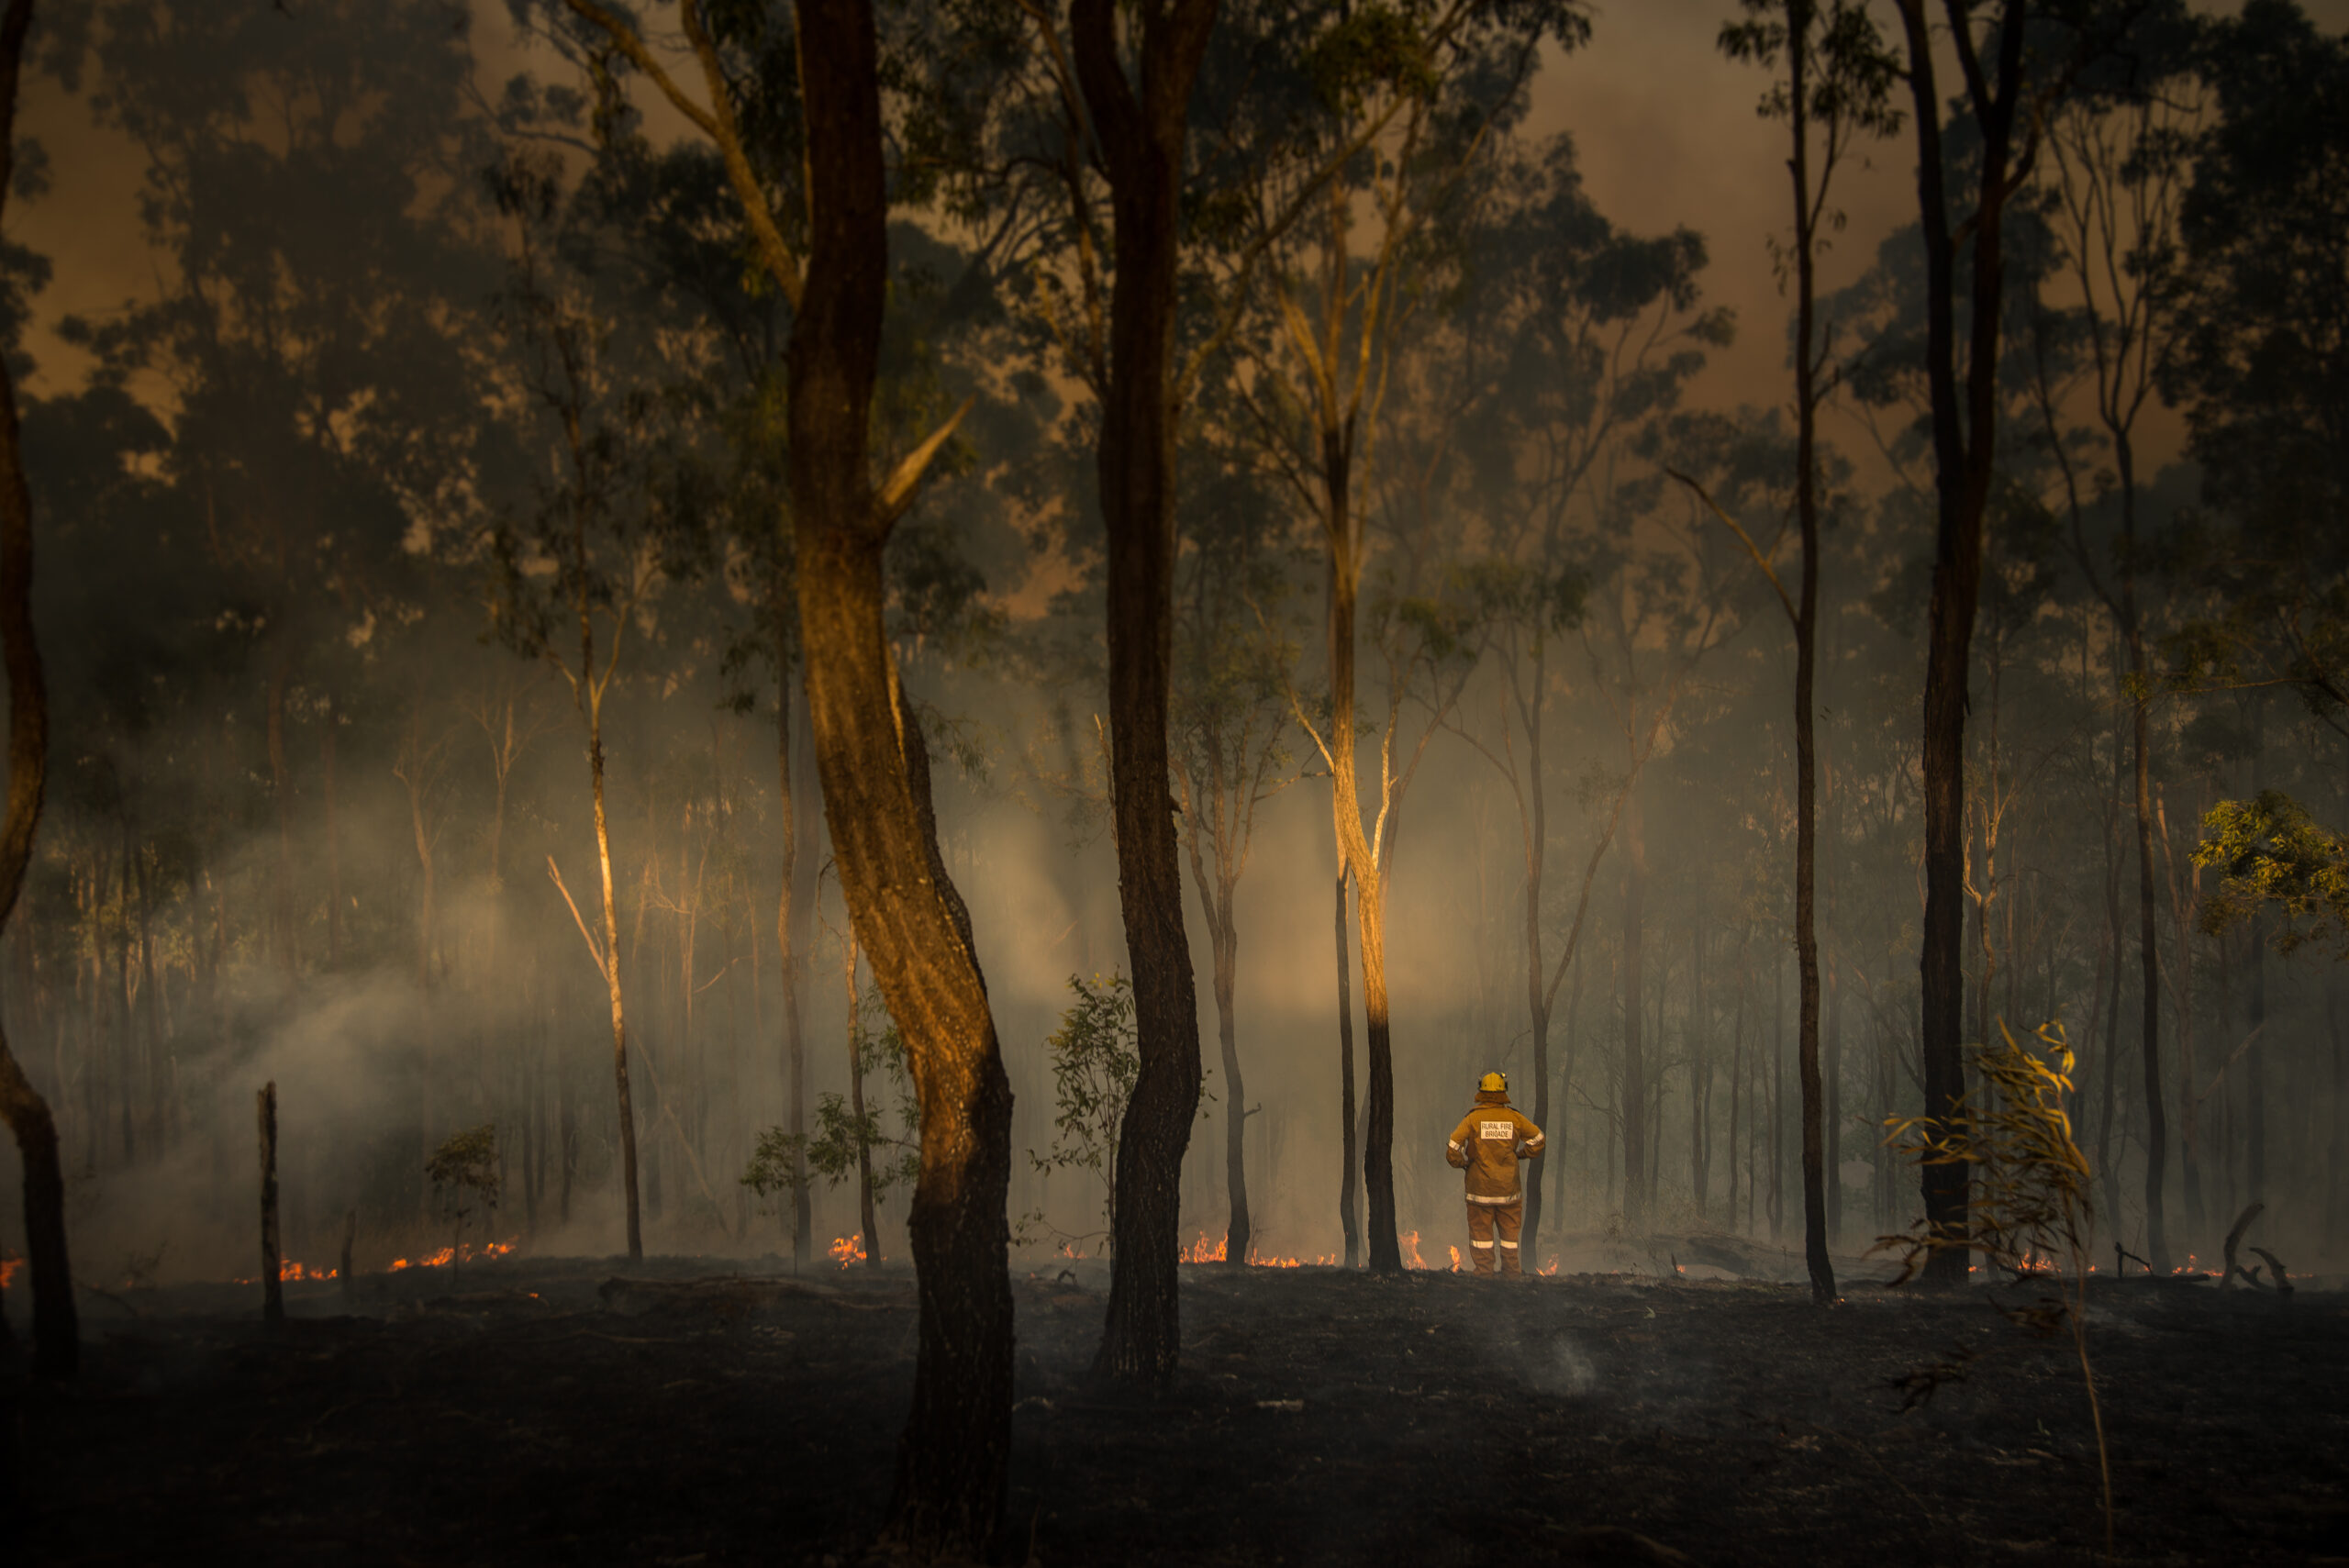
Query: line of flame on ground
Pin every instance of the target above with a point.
(290, 1270)
(1201, 1251)
(846, 1250)
(464, 1254)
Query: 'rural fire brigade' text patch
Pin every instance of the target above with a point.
(1505, 1130)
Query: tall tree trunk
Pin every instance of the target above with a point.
(1699, 1073)
(56, 1336)
(1634, 1100)
(1349, 1187)
(1239, 1231)
(1779, 1109)
(1384, 1252)
(866, 1219)
(612, 957)
(273, 1290)
(952, 1457)
(1141, 141)
(1964, 454)
(1537, 993)
(334, 839)
(787, 911)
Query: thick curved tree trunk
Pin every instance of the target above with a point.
(57, 1347)
(954, 1455)
(1140, 139)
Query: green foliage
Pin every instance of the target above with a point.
(1095, 1056)
(2031, 1206)
(1850, 74)
(2270, 852)
(780, 1160)
(2031, 1212)
(466, 1162)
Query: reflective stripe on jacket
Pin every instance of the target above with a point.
(1486, 1143)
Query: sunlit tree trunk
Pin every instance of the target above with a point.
(1349, 1158)
(594, 702)
(952, 1457)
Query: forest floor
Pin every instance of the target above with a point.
(576, 1411)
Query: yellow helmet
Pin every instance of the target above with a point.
(1493, 1084)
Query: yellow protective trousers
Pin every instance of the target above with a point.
(1484, 1218)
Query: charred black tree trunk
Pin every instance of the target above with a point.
(57, 1346)
(1141, 140)
(273, 1290)
(1964, 451)
(952, 1457)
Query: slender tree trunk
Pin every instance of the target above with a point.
(612, 967)
(786, 912)
(56, 1334)
(2256, 1067)
(2104, 1144)
(1349, 1188)
(952, 1457)
(1699, 1073)
(1965, 453)
(2149, 964)
(1238, 1231)
(334, 841)
(1538, 992)
(126, 1036)
(1779, 1100)
(866, 1219)
(1634, 1105)
(273, 1290)
(1141, 140)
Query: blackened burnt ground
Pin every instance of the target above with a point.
(542, 1411)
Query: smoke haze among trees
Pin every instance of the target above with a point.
(403, 395)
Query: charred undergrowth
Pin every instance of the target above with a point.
(548, 1412)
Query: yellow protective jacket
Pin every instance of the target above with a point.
(1486, 1144)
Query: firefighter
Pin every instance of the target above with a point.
(1487, 1144)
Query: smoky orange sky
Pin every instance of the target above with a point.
(1664, 124)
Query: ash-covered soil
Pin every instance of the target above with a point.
(528, 1411)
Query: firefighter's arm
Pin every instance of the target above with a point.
(1455, 1154)
(1530, 1140)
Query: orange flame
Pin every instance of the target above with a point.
(1070, 1250)
(846, 1250)
(447, 1255)
(1551, 1267)
(8, 1267)
(1456, 1258)
(1411, 1244)
(290, 1270)
(1201, 1253)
